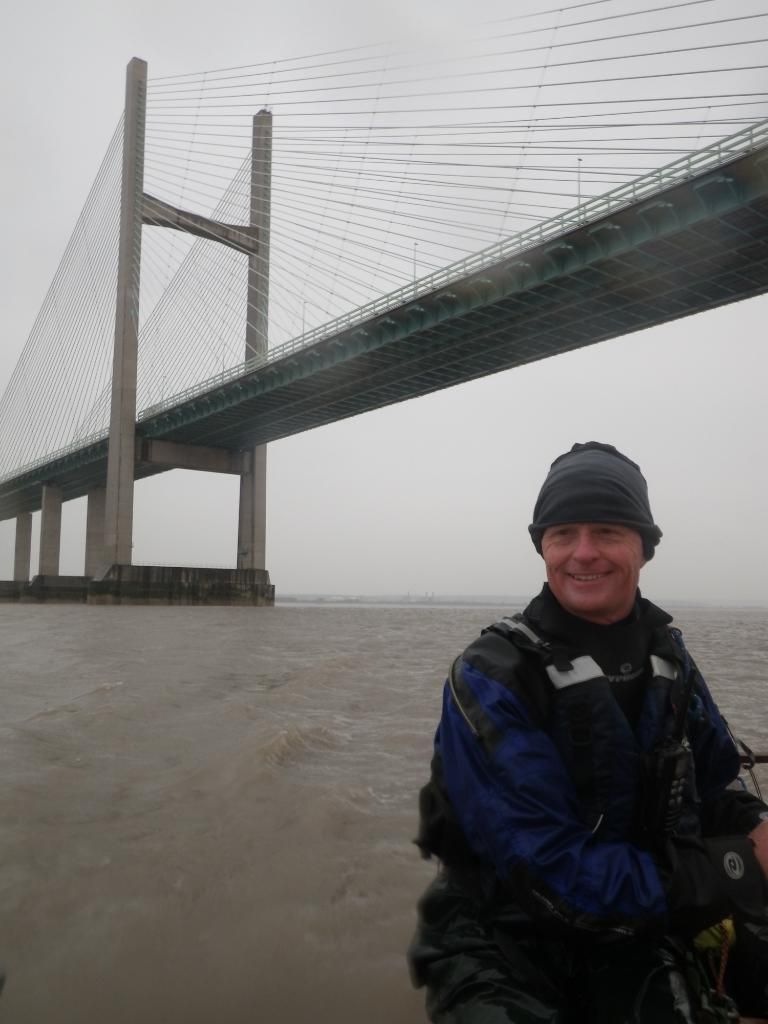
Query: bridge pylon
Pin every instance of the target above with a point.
(110, 575)
(252, 520)
(118, 512)
(250, 581)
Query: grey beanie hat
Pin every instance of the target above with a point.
(595, 483)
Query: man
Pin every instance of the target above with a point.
(598, 854)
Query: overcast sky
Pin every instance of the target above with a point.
(430, 496)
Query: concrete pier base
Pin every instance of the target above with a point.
(69, 589)
(72, 589)
(149, 584)
(162, 584)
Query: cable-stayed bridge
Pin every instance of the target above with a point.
(687, 236)
(690, 237)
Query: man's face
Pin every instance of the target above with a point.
(593, 568)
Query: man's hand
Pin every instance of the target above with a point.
(759, 837)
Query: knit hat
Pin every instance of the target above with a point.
(595, 483)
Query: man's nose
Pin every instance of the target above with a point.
(586, 549)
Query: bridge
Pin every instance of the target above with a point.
(688, 236)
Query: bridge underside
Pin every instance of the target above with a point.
(696, 246)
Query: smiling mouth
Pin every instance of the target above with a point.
(587, 577)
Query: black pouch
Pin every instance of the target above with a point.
(664, 774)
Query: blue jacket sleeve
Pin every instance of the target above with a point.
(518, 810)
(725, 808)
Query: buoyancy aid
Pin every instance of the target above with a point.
(533, 852)
(570, 697)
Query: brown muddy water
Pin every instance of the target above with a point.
(206, 814)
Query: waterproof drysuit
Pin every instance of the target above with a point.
(543, 811)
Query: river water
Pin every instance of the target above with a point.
(206, 814)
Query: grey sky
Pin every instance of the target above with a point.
(432, 495)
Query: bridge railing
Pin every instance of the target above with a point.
(744, 141)
(711, 158)
(60, 453)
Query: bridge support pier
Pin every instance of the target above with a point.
(50, 531)
(23, 548)
(95, 558)
(252, 522)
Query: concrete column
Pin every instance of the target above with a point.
(118, 518)
(251, 535)
(252, 521)
(257, 326)
(95, 561)
(252, 524)
(50, 531)
(23, 549)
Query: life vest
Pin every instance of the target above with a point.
(570, 698)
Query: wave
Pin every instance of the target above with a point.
(295, 743)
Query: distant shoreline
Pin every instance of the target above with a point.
(402, 601)
(468, 600)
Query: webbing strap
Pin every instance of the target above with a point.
(581, 671)
(662, 667)
(520, 627)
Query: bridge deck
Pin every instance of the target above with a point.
(694, 246)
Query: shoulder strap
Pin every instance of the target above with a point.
(683, 685)
(564, 674)
(513, 628)
(563, 670)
